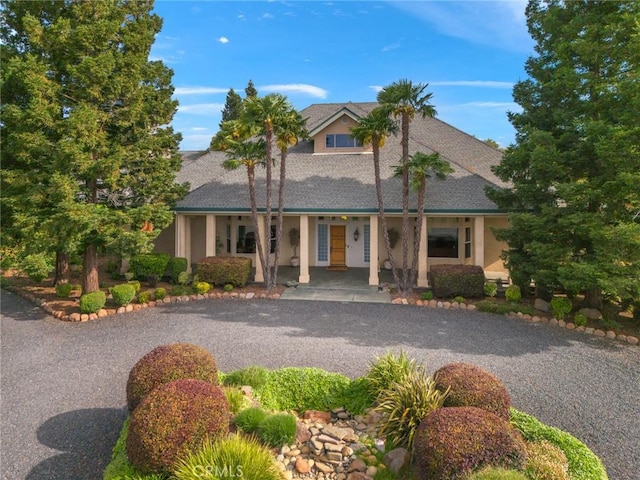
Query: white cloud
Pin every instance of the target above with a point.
(501, 24)
(267, 16)
(390, 47)
(195, 142)
(223, 40)
(199, 90)
(206, 109)
(241, 16)
(199, 129)
(376, 88)
(294, 88)
(472, 83)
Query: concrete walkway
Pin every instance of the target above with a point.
(351, 285)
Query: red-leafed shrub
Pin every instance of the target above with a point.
(452, 442)
(174, 420)
(166, 363)
(472, 386)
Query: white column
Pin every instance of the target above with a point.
(178, 235)
(304, 250)
(210, 249)
(187, 242)
(423, 256)
(374, 262)
(478, 241)
(259, 278)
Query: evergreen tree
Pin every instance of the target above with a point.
(250, 91)
(88, 160)
(575, 167)
(232, 107)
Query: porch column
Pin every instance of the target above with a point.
(210, 235)
(187, 242)
(374, 262)
(478, 241)
(178, 235)
(423, 256)
(259, 278)
(304, 250)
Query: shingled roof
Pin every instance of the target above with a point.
(344, 183)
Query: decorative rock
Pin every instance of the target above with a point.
(471, 307)
(317, 416)
(433, 303)
(599, 333)
(589, 330)
(152, 303)
(93, 316)
(439, 304)
(580, 329)
(250, 295)
(562, 323)
(621, 338)
(553, 322)
(455, 305)
(591, 313)
(302, 466)
(446, 305)
(396, 459)
(357, 465)
(570, 326)
(396, 301)
(535, 319)
(611, 334)
(120, 310)
(632, 340)
(371, 471)
(323, 467)
(129, 308)
(541, 305)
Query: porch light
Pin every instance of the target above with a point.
(356, 235)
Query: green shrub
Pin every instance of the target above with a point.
(184, 278)
(123, 294)
(583, 463)
(179, 290)
(173, 420)
(92, 302)
(136, 284)
(278, 429)
(201, 287)
(561, 307)
(129, 275)
(490, 289)
(119, 467)
(249, 419)
(387, 370)
(228, 287)
(231, 458)
(223, 270)
(254, 376)
(489, 306)
(166, 363)
(144, 297)
(37, 266)
(426, 296)
(159, 293)
(472, 386)
(451, 280)
(63, 290)
(356, 398)
(176, 266)
(302, 389)
(458, 299)
(496, 473)
(545, 461)
(513, 294)
(404, 405)
(580, 320)
(453, 442)
(236, 398)
(146, 264)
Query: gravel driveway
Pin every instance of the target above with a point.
(63, 384)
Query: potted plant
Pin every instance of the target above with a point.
(294, 241)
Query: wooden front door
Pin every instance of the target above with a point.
(338, 250)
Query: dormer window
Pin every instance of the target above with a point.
(341, 140)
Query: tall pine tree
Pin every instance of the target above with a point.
(575, 167)
(88, 156)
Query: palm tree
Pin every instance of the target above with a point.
(374, 129)
(404, 99)
(422, 166)
(288, 130)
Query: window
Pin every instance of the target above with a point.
(467, 242)
(443, 242)
(246, 240)
(341, 140)
(323, 242)
(367, 243)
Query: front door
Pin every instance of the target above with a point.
(338, 248)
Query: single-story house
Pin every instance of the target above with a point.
(330, 197)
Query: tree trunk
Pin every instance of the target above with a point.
(418, 234)
(405, 204)
(90, 280)
(268, 136)
(383, 219)
(593, 298)
(251, 175)
(283, 172)
(62, 268)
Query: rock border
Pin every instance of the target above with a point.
(132, 307)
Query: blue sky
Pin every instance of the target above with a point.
(469, 52)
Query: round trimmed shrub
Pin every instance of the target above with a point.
(63, 290)
(144, 297)
(173, 421)
(546, 461)
(160, 293)
(278, 429)
(123, 294)
(166, 363)
(472, 386)
(92, 302)
(513, 294)
(201, 287)
(453, 442)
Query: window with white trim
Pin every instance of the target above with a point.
(341, 140)
(443, 242)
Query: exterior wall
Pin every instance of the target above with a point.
(166, 241)
(494, 266)
(198, 238)
(341, 125)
